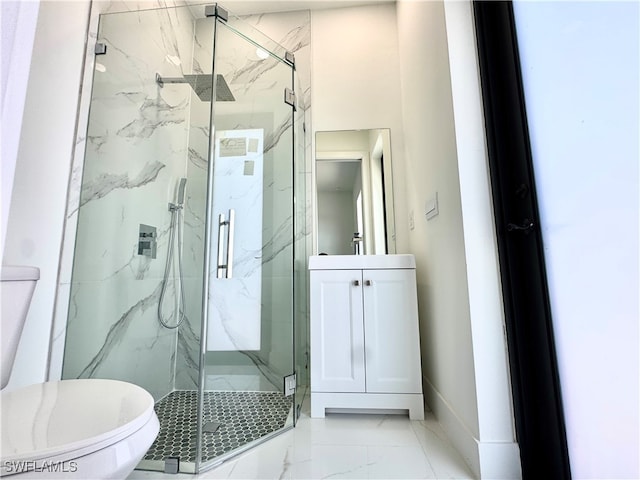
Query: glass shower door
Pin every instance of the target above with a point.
(248, 347)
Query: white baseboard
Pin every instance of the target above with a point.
(487, 460)
(330, 401)
(500, 460)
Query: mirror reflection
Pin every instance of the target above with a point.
(354, 193)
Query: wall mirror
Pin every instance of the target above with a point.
(354, 193)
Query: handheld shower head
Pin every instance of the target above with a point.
(181, 191)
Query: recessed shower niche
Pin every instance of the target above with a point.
(207, 326)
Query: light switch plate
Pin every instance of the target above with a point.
(431, 207)
(412, 223)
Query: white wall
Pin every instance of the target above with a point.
(581, 75)
(336, 222)
(36, 218)
(342, 141)
(355, 81)
(19, 20)
(438, 244)
(463, 347)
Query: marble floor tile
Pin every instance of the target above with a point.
(404, 462)
(355, 429)
(443, 458)
(344, 446)
(332, 461)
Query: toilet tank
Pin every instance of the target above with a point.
(16, 288)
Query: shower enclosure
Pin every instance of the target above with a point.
(185, 263)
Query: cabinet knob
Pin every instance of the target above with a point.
(367, 283)
(356, 283)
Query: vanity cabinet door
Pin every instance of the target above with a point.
(391, 331)
(337, 336)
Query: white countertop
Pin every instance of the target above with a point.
(357, 262)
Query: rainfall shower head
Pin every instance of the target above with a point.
(201, 85)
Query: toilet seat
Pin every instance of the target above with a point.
(67, 419)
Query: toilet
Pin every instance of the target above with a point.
(89, 428)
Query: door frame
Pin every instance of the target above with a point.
(538, 410)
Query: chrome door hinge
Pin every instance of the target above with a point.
(216, 10)
(290, 97)
(290, 385)
(290, 59)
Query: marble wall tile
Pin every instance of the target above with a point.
(188, 353)
(117, 324)
(188, 339)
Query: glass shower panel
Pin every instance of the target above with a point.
(137, 152)
(146, 138)
(249, 343)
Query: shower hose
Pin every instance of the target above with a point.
(175, 229)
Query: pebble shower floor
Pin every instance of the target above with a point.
(243, 417)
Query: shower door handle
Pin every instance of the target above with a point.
(227, 266)
(221, 266)
(230, 231)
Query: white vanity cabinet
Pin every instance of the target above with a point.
(365, 347)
